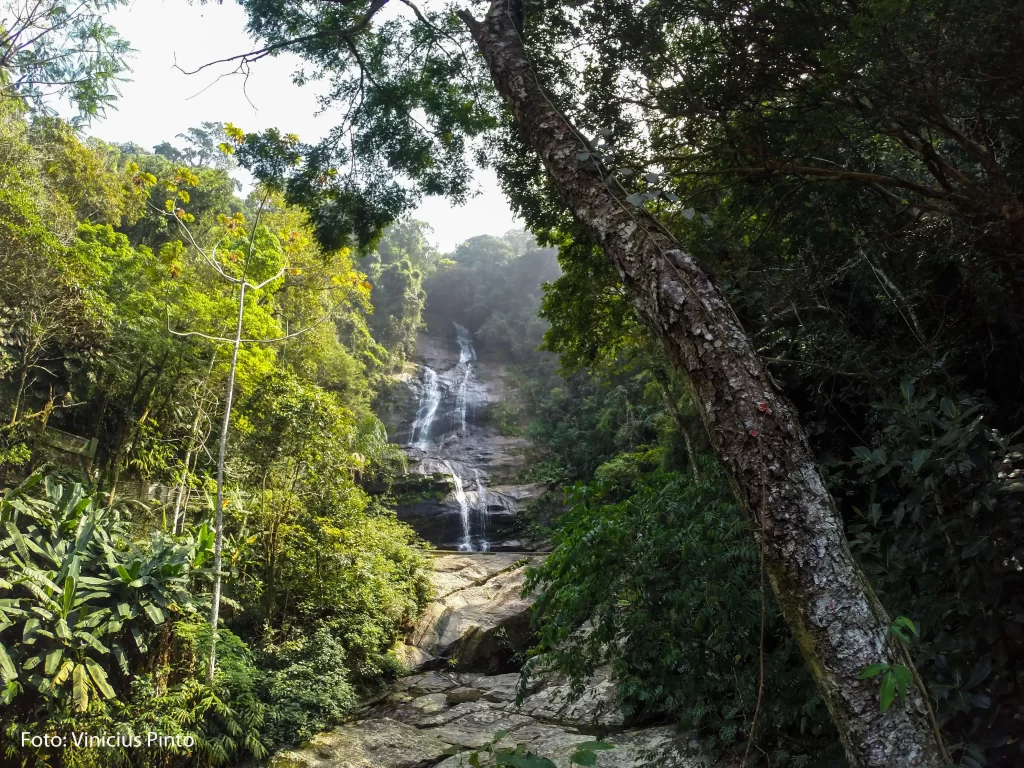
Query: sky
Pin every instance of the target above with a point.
(162, 102)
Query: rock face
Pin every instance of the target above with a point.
(459, 492)
(479, 619)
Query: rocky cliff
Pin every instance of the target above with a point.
(460, 491)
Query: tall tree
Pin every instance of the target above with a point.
(754, 431)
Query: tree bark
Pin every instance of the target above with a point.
(754, 431)
(218, 536)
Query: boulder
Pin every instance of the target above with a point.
(366, 744)
(412, 658)
(597, 708)
(462, 695)
(432, 702)
(478, 626)
(430, 682)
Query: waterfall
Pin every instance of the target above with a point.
(430, 398)
(449, 454)
(466, 544)
(466, 357)
(482, 510)
(466, 352)
(460, 400)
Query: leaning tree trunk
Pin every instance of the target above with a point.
(754, 431)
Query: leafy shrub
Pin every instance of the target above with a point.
(938, 527)
(84, 600)
(91, 625)
(660, 577)
(306, 686)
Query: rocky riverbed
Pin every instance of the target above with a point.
(462, 694)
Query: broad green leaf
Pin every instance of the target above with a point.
(7, 669)
(907, 389)
(903, 677)
(139, 640)
(61, 628)
(92, 642)
(872, 670)
(19, 540)
(122, 658)
(919, 458)
(899, 632)
(862, 453)
(80, 688)
(155, 614)
(53, 660)
(29, 629)
(63, 672)
(888, 692)
(69, 594)
(32, 663)
(584, 757)
(903, 621)
(100, 678)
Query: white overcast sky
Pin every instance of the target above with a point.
(161, 102)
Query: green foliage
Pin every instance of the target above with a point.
(493, 285)
(658, 574)
(305, 682)
(89, 619)
(50, 50)
(97, 270)
(82, 596)
(934, 455)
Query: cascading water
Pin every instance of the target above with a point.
(482, 509)
(466, 545)
(466, 357)
(466, 352)
(430, 398)
(458, 380)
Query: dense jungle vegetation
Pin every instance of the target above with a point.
(105, 604)
(847, 174)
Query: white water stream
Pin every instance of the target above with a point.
(429, 400)
(458, 379)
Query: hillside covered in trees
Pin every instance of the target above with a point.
(764, 332)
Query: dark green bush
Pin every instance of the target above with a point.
(305, 683)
